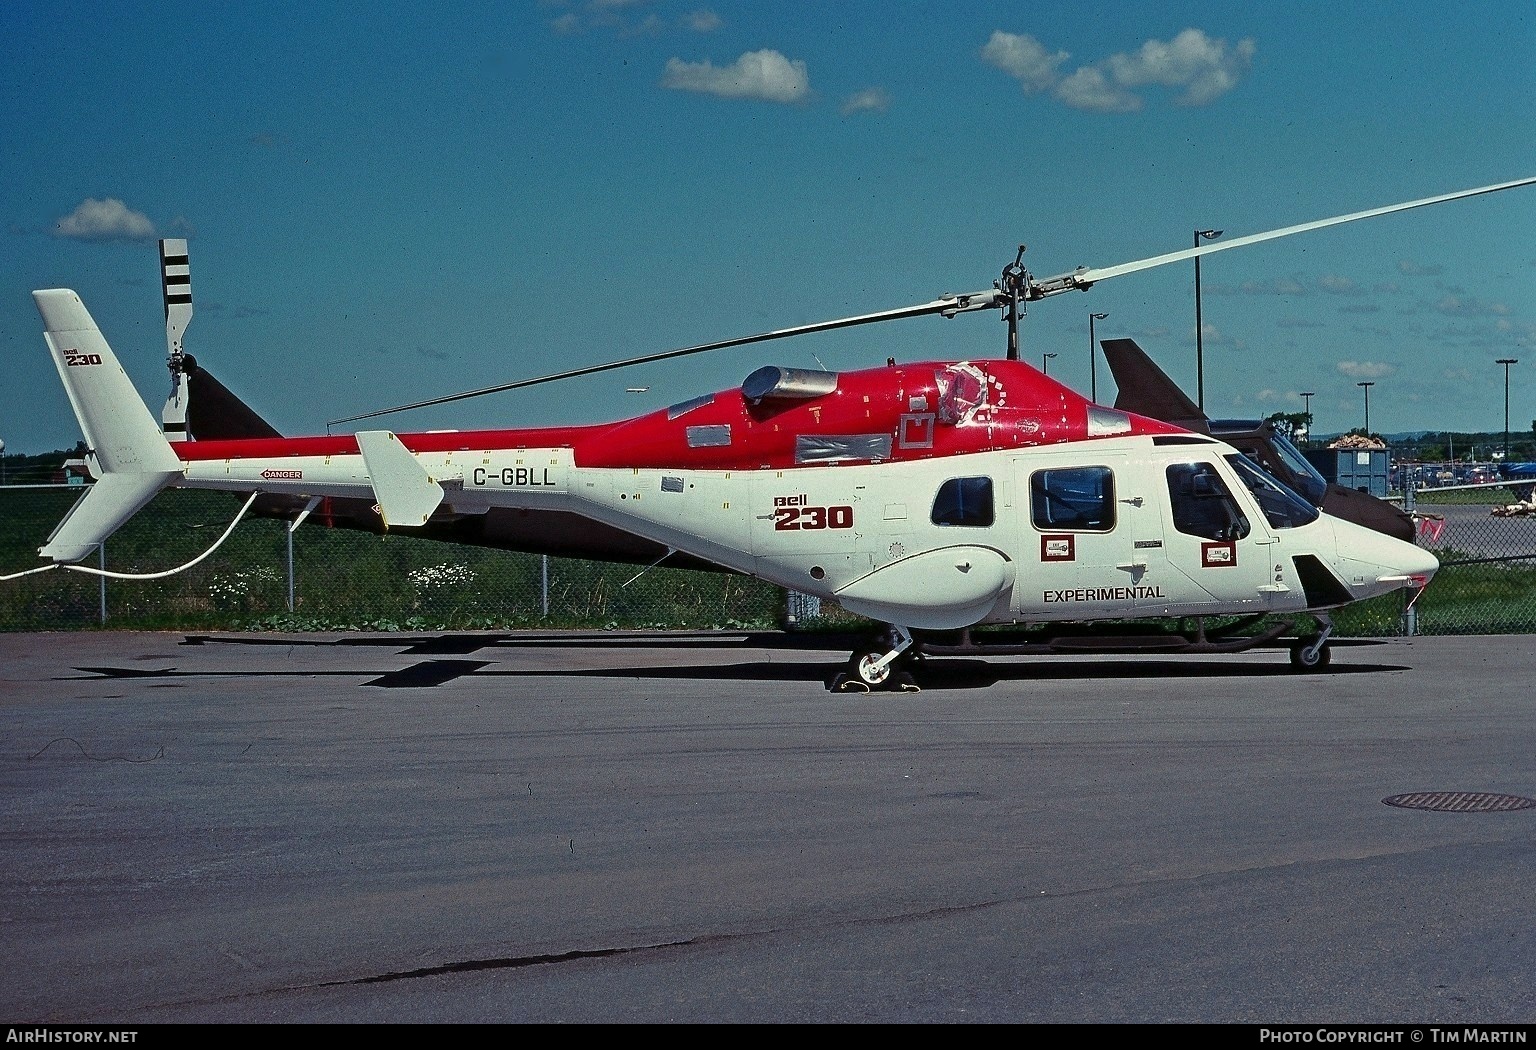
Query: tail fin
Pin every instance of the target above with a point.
(1145, 389)
(214, 413)
(134, 459)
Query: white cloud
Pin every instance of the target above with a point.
(623, 17)
(1205, 69)
(104, 220)
(1279, 286)
(1088, 88)
(1468, 306)
(1366, 369)
(703, 21)
(1412, 269)
(765, 75)
(1336, 285)
(1025, 58)
(875, 99)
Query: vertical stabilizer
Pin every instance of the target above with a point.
(133, 455)
(1146, 390)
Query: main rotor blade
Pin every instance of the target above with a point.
(1080, 279)
(1084, 277)
(949, 306)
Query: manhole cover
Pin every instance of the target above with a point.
(1460, 801)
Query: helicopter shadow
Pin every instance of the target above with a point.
(827, 666)
(950, 673)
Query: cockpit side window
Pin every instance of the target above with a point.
(1078, 499)
(1282, 508)
(964, 501)
(1309, 484)
(1202, 504)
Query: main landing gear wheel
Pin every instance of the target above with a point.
(1311, 654)
(864, 667)
(880, 664)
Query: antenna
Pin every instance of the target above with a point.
(176, 291)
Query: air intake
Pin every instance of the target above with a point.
(773, 383)
(1322, 587)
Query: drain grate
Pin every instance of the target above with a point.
(1460, 801)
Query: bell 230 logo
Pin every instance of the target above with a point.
(79, 357)
(790, 513)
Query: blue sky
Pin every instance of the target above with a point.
(392, 201)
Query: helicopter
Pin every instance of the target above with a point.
(932, 497)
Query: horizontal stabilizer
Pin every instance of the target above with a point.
(107, 504)
(406, 494)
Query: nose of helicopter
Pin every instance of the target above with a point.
(1372, 563)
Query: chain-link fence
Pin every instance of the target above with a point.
(337, 579)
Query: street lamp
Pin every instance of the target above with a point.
(1506, 362)
(1306, 397)
(1044, 361)
(1093, 359)
(1367, 388)
(1208, 235)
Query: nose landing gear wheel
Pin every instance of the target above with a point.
(1310, 654)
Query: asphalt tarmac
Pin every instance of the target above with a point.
(692, 828)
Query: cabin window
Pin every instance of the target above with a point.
(1080, 499)
(1202, 504)
(964, 501)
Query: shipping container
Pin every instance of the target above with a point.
(1363, 469)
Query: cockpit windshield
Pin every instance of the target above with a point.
(1313, 486)
(1282, 508)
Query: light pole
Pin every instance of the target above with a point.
(1093, 359)
(1506, 362)
(1306, 399)
(1367, 388)
(1044, 362)
(1209, 235)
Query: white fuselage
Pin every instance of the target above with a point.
(1080, 531)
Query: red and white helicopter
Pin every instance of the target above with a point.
(932, 497)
